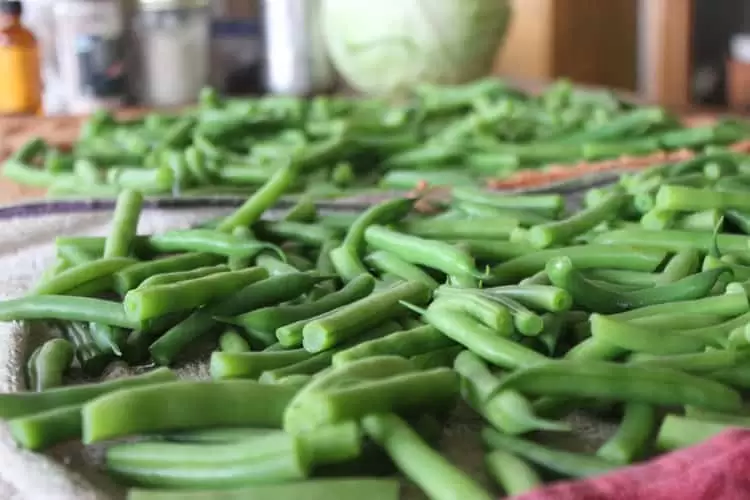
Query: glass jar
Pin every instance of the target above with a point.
(174, 50)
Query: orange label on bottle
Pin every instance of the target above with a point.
(20, 84)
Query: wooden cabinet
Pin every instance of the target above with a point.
(588, 41)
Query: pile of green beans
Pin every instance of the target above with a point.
(340, 343)
(453, 136)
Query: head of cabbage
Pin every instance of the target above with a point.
(386, 47)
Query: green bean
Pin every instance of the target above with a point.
(560, 232)
(547, 298)
(209, 241)
(680, 432)
(741, 220)
(718, 334)
(275, 467)
(245, 175)
(232, 342)
(49, 363)
(251, 365)
(342, 324)
(683, 198)
(538, 279)
(524, 217)
(403, 343)
(29, 150)
(52, 307)
(318, 489)
(74, 255)
(309, 366)
(347, 257)
(563, 274)
(147, 181)
(22, 173)
(633, 436)
(597, 379)
(583, 257)
(682, 265)
(706, 220)
(672, 240)
(275, 266)
(701, 363)
(497, 314)
(302, 211)
(639, 339)
(124, 224)
(130, 278)
(420, 463)
(547, 205)
(201, 322)
(676, 321)
(386, 262)
(513, 474)
(147, 409)
(409, 392)
(43, 429)
(22, 404)
(83, 274)
(478, 338)
(434, 254)
(307, 234)
(324, 264)
(506, 410)
(561, 462)
(627, 279)
(268, 320)
(727, 305)
(485, 228)
(656, 219)
(634, 147)
(495, 250)
(91, 358)
(410, 179)
(172, 456)
(145, 303)
(176, 277)
(594, 349)
(263, 199)
(439, 358)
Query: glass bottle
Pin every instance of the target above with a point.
(20, 83)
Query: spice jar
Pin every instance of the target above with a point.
(174, 40)
(20, 79)
(91, 53)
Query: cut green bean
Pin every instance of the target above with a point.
(318, 489)
(510, 472)
(597, 379)
(420, 463)
(148, 409)
(342, 324)
(633, 436)
(134, 275)
(562, 462)
(561, 232)
(151, 302)
(119, 243)
(583, 257)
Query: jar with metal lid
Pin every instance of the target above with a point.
(296, 59)
(91, 47)
(174, 50)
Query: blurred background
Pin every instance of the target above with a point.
(160, 53)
